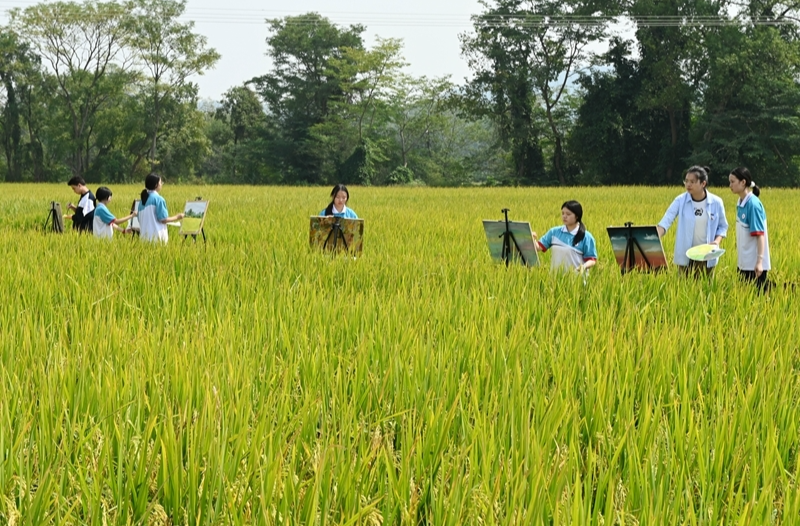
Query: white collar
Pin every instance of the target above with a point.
(573, 232)
(742, 202)
(333, 209)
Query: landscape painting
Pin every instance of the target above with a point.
(650, 257)
(522, 234)
(194, 215)
(349, 236)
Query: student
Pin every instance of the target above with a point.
(104, 221)
(83, 218)
(573, 247)
(338, 205)
(153, 214)
(752, 242)
(701, 220)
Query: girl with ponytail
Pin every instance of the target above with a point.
(153, 214)
(573, 246)
(338, 204)
(752, 244)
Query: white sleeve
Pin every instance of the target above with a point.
(86, 204)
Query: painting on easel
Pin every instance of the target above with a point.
(194, 215)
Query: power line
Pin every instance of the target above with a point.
(237, 16)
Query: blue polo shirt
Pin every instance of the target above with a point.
(565, 254)
(751, 223)
(346, 213)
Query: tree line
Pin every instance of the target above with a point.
(556, 96)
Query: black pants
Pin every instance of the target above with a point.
(762, 283)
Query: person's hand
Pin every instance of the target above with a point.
(759, 267)
(135, 213)
(580, 269)
(70, 206)
(180, 216)
(535, 235)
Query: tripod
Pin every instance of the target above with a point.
(632, 244)
(508, 238)
(336, 232)
(54, 218)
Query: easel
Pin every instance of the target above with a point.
(336, 232)
(632, 244)
(202, 229)
(508, 237)
(54, 218)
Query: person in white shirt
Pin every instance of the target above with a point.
(702, 220)
(752, 241)
(153, 214)
(104, 221)
(83, 218)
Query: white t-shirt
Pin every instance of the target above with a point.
(700, 222)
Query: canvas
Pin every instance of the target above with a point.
(523, 235)
(133, 223)
(649, 241)
(194, 215)
(321, 234)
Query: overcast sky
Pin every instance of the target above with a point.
(236, 29)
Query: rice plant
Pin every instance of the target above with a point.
(253, 380)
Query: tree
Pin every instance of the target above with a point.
(751, 97)
(365, 77)
(170, 53)
(83, 45)
(299, 89)
(19, 69)
(523, 56)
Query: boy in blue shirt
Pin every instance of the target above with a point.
(104, 222)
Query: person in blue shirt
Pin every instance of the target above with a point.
(752, 242)
(573, 247)
(153, 214)
(104, 221)
(701, 220)
(338, 205)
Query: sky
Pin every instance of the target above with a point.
(236, 29)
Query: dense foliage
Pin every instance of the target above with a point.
(556, 96)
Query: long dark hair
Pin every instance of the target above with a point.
(743, 174)
(150, 183)
(336, 189)
(576, 208)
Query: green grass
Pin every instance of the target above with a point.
(255, 381)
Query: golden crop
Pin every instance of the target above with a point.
(253, 380)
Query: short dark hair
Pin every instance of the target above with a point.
(76, 181)
(103, 193)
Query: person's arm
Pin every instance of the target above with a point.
(669, 216)
(176, 217)
(761, 246)
(589, 253)
(722, 225)
(162, 214)
(543, 244)
(126, 218)
(587, 264)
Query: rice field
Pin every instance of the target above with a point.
(252, 380)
